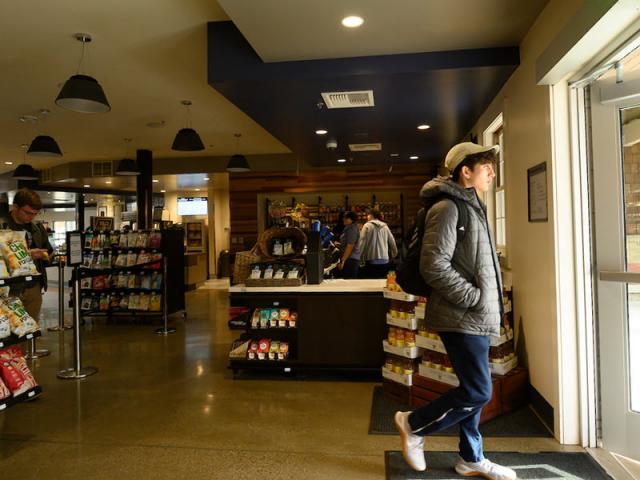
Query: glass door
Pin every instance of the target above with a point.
(615, 133)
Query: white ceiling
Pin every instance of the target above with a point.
(283, 30)
(150, 54)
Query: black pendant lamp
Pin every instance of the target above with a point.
(25, 172)
(238, 163)
(44, 146)
(127, 166)
(187, 139)
(82, 93)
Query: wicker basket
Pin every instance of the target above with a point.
(297, 236)
(242, 264)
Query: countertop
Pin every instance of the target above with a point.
(328, 286)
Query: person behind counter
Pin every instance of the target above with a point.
(26, 205)
(349, 251)
(377, 246)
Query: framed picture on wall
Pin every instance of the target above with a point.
(101, 223)
(537, 192)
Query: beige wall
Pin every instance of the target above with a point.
(531, 255)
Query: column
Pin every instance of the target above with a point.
(144, 189)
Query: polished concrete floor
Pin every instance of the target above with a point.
(167, 407)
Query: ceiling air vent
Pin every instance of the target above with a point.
(365, 147)
(102, 169)
(356, 99)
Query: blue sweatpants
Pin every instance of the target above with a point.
(469, 355)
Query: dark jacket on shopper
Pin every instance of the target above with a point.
(36, 237)
(465, 277)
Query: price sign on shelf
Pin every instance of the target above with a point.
(74, 248)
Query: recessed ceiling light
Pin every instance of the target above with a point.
(108, 182)
(163, 191)
(413, 157)
(155, 180)
(424, 127)
(394, 154)
(8, 163)
(352, 21)
(342, 160)
(321, 132)
(87, 186)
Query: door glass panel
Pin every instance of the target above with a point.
(630, 129)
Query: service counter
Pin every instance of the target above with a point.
(341, 324)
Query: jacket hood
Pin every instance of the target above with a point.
(441, 185)
(378, 223)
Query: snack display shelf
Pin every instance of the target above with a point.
(122, 313)
(13, 339)
(408, 323)
(27, 279)
(151, 266)
(404, 379)
(120, 289)
(437, 345)
(404, 297)
(437, 374)
(406, 352)
(271, 330)
(24, 397)
(503, 368)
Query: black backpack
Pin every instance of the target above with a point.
(408, 272)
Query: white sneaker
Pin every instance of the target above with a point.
(486, 469)
(412, 445)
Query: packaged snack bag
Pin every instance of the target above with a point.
(115, 238)
(99, 261)
(263, 348)
(142, 240)
(16, 253)
(265, 315)
(98, 282)
(88, 239)
(293, 319)
(14, 378)
(107, 240)
(145, 281)
(132, 257)
(15, 360)
(131, 280)
(5, 326)
(144, 302)
(155, 239)
(21, 322)
(4, 271)
(124, 302)
(284, 351)
(86, 303)
(95, 242)
(274, 348)
(95, 303)
(252, 352)
(122, 281)
(4, 292)
(4, 391)
(85, 283)
(104, 302)
(132, 238)
(156, 281)
(274, 317)
(143, 258)
(114, 302)
(255, 318)
(107, 260)
(134, 301)
(123, 242)
(155, 302)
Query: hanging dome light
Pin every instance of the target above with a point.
(82, 93)
(44, 146)
(187, 139)
(25, 172)
(238, 164)
(127, 167)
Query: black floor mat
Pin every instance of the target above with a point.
(519, 423)
(543, 465)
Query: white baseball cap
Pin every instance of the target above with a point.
(459, 152)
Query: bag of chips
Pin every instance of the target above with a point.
(141, 241)
(15, 372)
(131, 259)
(156, 281)
(4, 271)
(155, 302)
(4, 391)
(155, 239)
(86, 303)
(144, 302)
(85, 283)
(20, 321)
(5, 326)
(145, 282)
(16, 253)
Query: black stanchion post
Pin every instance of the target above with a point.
(61, 325)
(165, 330)
(74, 256)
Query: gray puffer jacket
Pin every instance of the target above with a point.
(465, 277)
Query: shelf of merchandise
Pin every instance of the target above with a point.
(406, 352)
(31, 394)
(14, 340)
(404, 379)
(171, 248)
(437, 374)
(410, 323)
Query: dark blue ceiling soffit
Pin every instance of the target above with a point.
(447, 90)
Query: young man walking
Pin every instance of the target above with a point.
(465, 308)
(377, 246)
